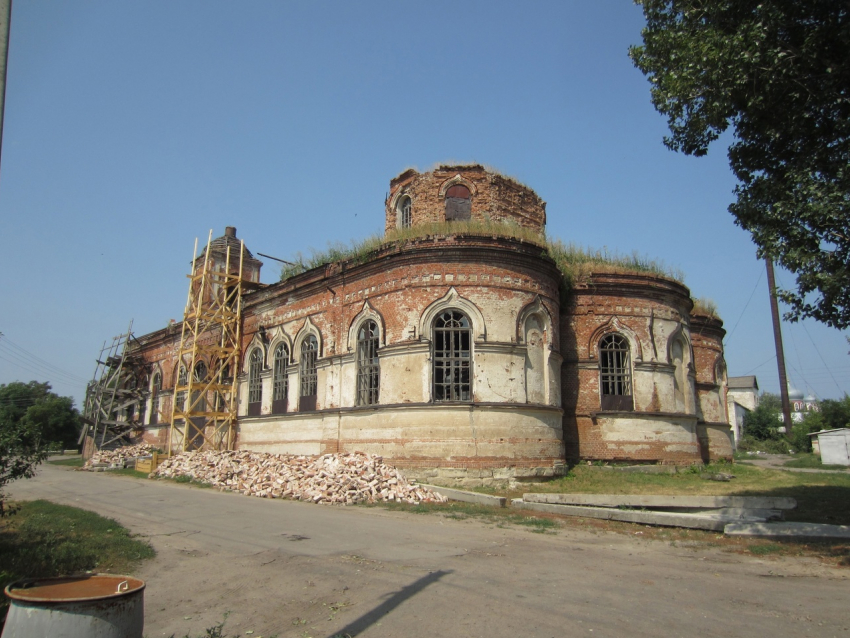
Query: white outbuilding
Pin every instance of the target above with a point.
(833, 445)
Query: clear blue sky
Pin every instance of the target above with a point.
(134, 127)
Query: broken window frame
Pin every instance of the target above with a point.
(452, 357)
(458, 203)
(368, 366)
(615, 373)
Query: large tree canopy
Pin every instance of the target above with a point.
(778, 73)
(31, 419)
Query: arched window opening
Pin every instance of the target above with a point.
(280, 381)
(452, 357)
(156, 386)
(535, 360)
(255, 384)
(678, 354)
(180, 393)
(458, 203)
(368, 369)
(615, 373)
(308, 374)
(405, 219)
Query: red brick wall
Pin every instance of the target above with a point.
(495, 197)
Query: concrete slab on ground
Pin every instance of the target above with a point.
(798, 531)
(665, 519)
(467, 497)
(647, 500)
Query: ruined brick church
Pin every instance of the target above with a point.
(465, 354)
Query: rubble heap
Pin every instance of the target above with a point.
(331, 478)
(119, 455)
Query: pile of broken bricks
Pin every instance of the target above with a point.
(331, 478)
(118, 457)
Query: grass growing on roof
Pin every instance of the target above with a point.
(705, 306)
(360, 250)
(576, 263)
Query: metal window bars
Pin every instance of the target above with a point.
(368, 368)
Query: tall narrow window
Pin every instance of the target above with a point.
(255, 384)
(368, 371)
(615, 373)
(404, 212)
(199, 381)
(280, 382)
(156, 386)
(180, 390)
(452, 357)
(458, 203)
(309, 377)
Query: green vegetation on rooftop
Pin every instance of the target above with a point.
(705, 307)
(576, 263)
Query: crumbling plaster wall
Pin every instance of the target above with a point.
(713, 429)
(651, 312)
(497, 283)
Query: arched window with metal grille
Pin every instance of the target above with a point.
(452, 357)
(368, 368)
(307, 373)
(255, 383)
(615, 373)
(280, 380)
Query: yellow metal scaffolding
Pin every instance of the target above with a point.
(203, 410)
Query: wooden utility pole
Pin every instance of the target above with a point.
(780, 353)
(5, 23)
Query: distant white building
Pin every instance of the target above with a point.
(742, 396)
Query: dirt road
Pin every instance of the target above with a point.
(301, 570)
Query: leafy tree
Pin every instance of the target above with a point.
(763, 423)
(836, 413)
(778, 73)
(31, 419)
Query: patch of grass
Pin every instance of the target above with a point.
(128, 471)
(77, 462)
(760, 549)
(811, 461)
(43, 539)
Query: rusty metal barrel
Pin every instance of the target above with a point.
(90, 606)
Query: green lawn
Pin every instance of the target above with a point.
(74, 462)
(811, 461)
(43, 539)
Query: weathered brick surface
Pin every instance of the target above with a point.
(494, 197)
(536, 392)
